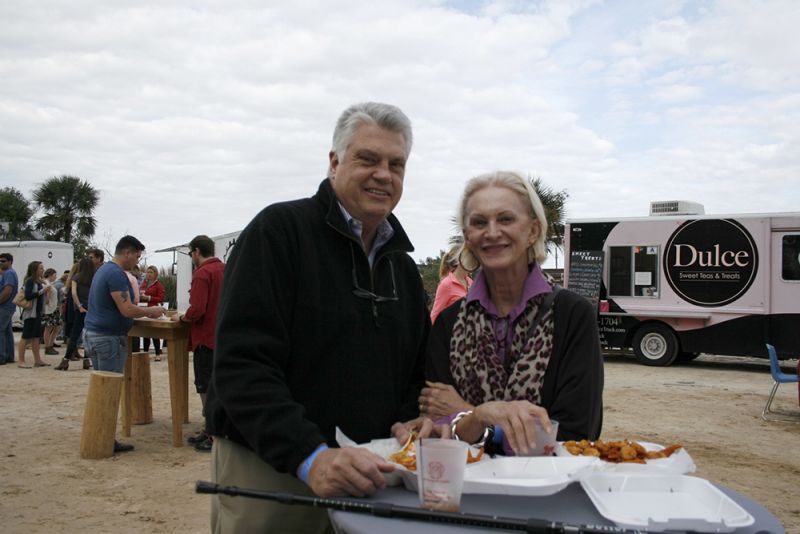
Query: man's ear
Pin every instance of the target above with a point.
(333, 160)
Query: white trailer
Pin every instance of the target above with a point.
(675, 285)
(182, 264)
(53, 254)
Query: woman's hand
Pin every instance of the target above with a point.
(516, 419)
(440, 400)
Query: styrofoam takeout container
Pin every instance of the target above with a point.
(516, 475)
(664, 502)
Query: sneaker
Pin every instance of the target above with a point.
(63, 366)
(122, 447)
(50, 351)
(205, 445)
(87, 363)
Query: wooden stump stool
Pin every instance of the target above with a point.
(100, 415)
(141, 397)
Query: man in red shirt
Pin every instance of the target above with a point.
(202, 314)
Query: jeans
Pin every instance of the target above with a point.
(108, 353)
(75, 334)
(6, 335)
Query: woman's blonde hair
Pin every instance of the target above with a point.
(519, 185)
(449, 261)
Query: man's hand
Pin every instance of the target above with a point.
(155, 312)
(349, 471)
(440, 400)
(423, 426)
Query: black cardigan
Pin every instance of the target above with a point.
(572, 390)
(297, 352)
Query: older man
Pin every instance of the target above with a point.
(322, 324)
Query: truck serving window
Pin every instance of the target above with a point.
(791, 257)
(633, 271)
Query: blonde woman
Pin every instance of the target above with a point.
(517, 348)
(454, 281)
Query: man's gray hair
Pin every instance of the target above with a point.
(386, 116)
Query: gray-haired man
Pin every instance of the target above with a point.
(322, 324)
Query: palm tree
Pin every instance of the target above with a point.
(67, 203)
(553, 202)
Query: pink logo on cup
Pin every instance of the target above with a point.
(435, 470)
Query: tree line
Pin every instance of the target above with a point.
(60, 209)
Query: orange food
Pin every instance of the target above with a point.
(624, 451)
(407, 455)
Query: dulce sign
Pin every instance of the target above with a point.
(711, 262)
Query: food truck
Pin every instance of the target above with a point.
(53, 254)
(680, 282)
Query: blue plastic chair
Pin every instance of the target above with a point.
(780, 378)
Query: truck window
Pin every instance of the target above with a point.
(619, 272)
(633, 271)
(791, 257)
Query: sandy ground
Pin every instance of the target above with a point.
(712, 406)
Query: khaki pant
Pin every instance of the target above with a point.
(234, 465)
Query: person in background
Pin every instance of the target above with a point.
(515, 348)
(111, 312)
(60, 284)
(80, 283)
(454, 282)
(35, 291)
(202, 315)
(9, 285)
(69, 307)
(138, 274)
(322, 323)
(97, 256)
(51, 318)
(152, 292)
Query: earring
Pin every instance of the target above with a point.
(470, 269)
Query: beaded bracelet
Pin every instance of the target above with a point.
(461, 415)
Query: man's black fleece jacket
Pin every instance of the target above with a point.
(298, 353)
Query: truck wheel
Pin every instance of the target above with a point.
(655, 344)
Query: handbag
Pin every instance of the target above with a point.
(21, 301)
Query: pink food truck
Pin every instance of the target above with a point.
(679, 282)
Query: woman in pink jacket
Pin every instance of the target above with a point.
(454, 282)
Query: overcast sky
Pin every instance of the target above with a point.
(190, 116)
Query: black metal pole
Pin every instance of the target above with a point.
(381, 509)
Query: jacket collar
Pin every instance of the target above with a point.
(327, 199)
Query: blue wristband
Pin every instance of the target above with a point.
(497, 439)
(305, 467)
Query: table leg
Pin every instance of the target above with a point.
(126, 394)
(176, 403)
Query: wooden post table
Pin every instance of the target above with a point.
(176, 333)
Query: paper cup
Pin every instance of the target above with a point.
(545, 442)
(440, 467)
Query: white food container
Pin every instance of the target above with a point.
(664, 502)
(513, 475)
